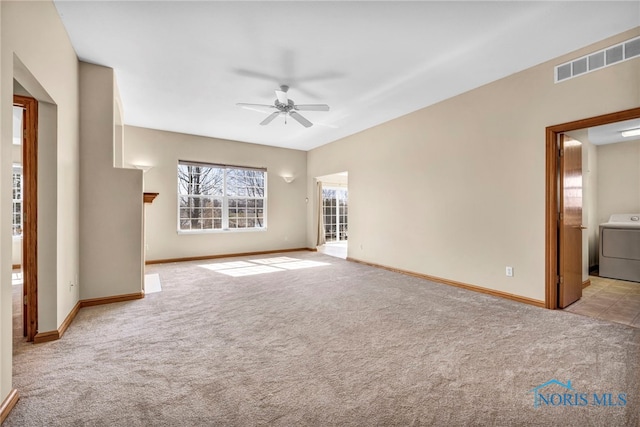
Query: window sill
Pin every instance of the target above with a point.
(229, 230)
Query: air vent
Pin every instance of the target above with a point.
(603, 58)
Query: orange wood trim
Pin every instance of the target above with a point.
(586, 283)
(16, 266)
(604, 119)
(205, 257)
(551, 222)
(67, 321)
(8, 403)
(475, 288)
(30, 212)
(46, 336)
(108, 300)
(149, 197)
(551, 211)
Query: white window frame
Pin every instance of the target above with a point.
(227, 202)
(17, 170)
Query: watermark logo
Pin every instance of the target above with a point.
(555, 393)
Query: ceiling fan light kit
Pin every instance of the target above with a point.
(286, 107)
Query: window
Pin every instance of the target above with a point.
(17, 200)
(16, 216)
(334, 207)
(220, 197)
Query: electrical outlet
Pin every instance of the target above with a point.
(509, 271)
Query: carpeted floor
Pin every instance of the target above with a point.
(339, 344)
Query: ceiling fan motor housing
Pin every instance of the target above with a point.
(285, 108)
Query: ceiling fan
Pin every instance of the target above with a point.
(286, 107)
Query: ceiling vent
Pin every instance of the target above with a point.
(603, 58)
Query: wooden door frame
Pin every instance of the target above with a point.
(30, 211)
(552, 177)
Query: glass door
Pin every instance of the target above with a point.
(335, 210)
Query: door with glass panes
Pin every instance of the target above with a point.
(335, 212)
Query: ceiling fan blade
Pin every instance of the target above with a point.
(297, 117)
(256, 74)
(270, 118)
(282, 96)
(312, 107)
(245, 105)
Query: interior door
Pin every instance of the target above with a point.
(570, 221)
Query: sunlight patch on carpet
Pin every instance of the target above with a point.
(249, 271)
(297, 265)
(260, 266)
(276, 260)
(152, 283)
(225, 265)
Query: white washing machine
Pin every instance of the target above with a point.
(620, 247)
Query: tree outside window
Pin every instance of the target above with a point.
(219, 197)
(17, 201)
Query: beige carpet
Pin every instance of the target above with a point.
(338, 344)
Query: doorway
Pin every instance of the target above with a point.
(334, 214)
(26, 213)
(335, 205)
(560, 252)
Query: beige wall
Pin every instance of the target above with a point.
(6, 346)
(618, 179)
(590, 206)
(286, 208)
(110, 198)
(45, 64)
(457, 190)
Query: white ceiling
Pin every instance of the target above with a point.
(182, 66)
(610, 134)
